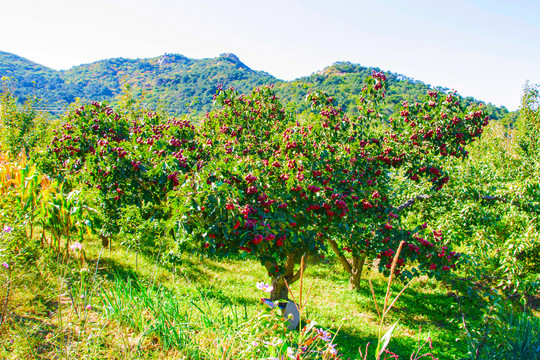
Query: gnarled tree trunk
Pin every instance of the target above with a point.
(280, 290)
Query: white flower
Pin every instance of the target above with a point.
(290, 353)
(332, 349)
(76, 246)
(264, 287)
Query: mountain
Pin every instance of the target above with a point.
(171, 80)
(31, 79)
(344, 80)
(181, 84)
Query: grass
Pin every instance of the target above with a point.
(331, 303)
(141, 310)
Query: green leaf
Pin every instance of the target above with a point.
(385, 339)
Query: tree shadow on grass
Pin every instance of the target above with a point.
(420, 307)
(196, 275)
(110, 268)
(415, 309)
(421, 311)
(350, 343)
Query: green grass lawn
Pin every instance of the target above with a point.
(48, 315)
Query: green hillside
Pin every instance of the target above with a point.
(344, 80)
(180, 84)
(171, 80)
(31, 79)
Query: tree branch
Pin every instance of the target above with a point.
(289, 265)
(296, 276)
(411, 202)
(498, 198)
(342, 259)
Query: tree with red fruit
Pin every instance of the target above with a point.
(130, 157)
(279, 188)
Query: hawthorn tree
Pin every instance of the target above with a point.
(128, 158)
(279, 188)
(22, 128)
(491, 205)
(248, 197)
(408, 150)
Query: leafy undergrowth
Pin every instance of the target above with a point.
(121, 306)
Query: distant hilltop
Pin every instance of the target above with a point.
(181, 84)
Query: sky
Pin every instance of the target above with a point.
(487, 49)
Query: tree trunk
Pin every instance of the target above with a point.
(43, 237)
(105, 242)
(280, 290)
(67, 243)
(356, 272)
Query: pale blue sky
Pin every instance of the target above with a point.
(481, 48)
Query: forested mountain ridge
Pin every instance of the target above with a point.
(181, 84)
(171, 79)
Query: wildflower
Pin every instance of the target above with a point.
(290, 353)
(254, 343)
(325, 335)
(88, 307)
(274, 342)
(7, 228)
(264, 287)
(5, 265)
(332, 349)
(76, 246)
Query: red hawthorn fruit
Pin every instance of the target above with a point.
(366, 205)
